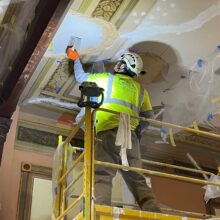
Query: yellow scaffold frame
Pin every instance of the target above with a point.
(91, 211)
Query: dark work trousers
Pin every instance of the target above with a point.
(107, 151)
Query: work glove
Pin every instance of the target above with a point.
(72, 54)
(143, 124)
(140, 128)
(138, 132)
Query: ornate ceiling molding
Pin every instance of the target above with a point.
(106, 9)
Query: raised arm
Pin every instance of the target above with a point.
(80, 74)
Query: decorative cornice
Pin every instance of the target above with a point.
(39, 140)
(35, 136)
(106, 9)
(60, 77)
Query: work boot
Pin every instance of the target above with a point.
(150, 206)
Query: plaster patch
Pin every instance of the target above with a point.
(4, 2)
(134, 14)
(165, 14)
(136, 21)
(172, 5)
(152, 17)
(1, 10)
(96, 34)
(158, 9)
(148, 30)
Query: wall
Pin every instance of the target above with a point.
(179, 195)
(10, 172)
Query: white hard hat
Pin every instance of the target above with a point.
(134, 63)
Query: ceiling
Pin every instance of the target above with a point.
(170, 35)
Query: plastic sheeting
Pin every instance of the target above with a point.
(56, 174)
(193, 95)
(212, 191)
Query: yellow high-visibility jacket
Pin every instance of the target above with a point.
(121, 94)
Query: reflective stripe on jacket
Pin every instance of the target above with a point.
(122, 94)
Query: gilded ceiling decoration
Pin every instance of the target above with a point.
(114, 11)
(106, 9)
(59, 78)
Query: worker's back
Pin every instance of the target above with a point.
(121, 94)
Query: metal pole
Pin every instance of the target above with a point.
(69, 207)
(58, 198)
(74, 181)
(176, 167)
(87, 166)
(156, 122)
(93, 169)
(74, 131)
(156, 173)
(63, 184)
(71, 168)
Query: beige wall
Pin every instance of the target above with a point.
(10, 172)
(179, 195)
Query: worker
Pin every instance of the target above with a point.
(122, 94)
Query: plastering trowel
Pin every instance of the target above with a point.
(74, 43)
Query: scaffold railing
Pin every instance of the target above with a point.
(89, 210)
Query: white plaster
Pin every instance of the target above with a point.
(95, 33)
(158, 8)
(151, 17)
(4, 2)
(172, 5)
(1, 10)
(147, 30)
(164, 14)
(134, 14)
(136, 21)
(52, 101)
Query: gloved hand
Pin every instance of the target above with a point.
(138, 132)
(72, 54)
(143, 124)
(140, 128)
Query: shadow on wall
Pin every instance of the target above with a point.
(157, 58)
